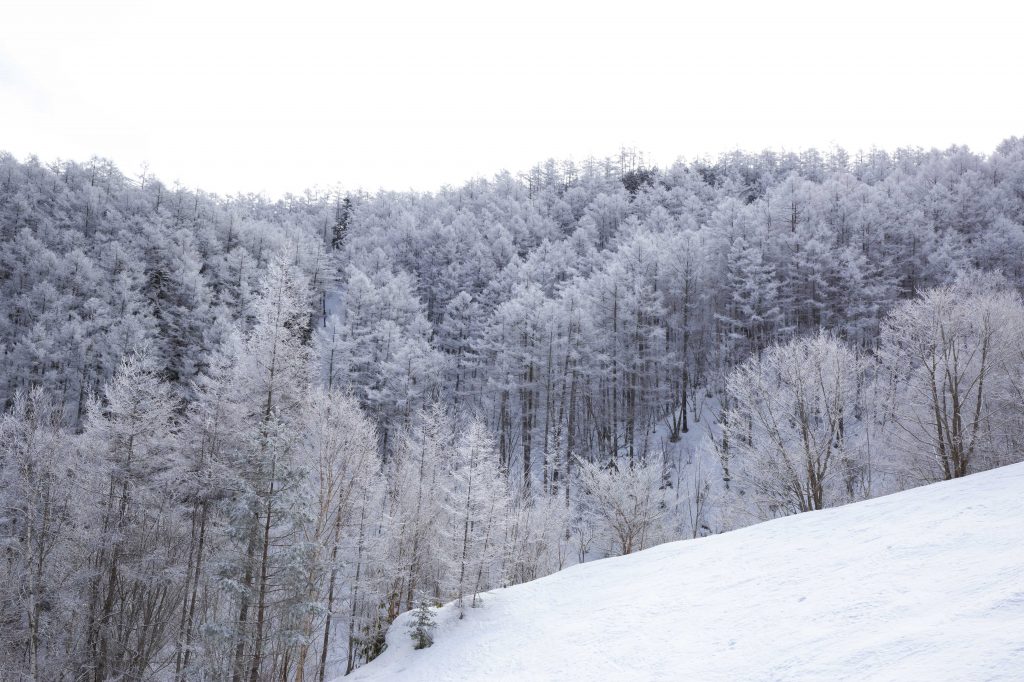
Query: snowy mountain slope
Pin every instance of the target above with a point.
(923, 585)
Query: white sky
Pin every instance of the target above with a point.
(279, 96)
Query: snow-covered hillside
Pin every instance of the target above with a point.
(923, 585)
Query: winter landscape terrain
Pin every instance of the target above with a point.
(919, 585)
(455, 340)
(241, 437)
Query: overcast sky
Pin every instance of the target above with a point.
(280, 96)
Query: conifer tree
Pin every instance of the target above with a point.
(422, 625)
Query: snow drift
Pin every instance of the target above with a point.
(926, 584)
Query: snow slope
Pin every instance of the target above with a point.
(923, 585)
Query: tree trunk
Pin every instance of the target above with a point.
(261, 604)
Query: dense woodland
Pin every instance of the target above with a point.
(240, 436)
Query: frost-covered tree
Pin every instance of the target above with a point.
(270, 387)
(628, 502)
(342, 465)
(415, 554)
(204, 486)
(951, 352)
(788, 428)
(137, 531)
(477, 496)
(752, 317)
(422, 625)
(41, 472)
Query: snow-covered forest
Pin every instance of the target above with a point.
(241, 436)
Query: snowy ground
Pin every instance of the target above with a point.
(923, 585)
